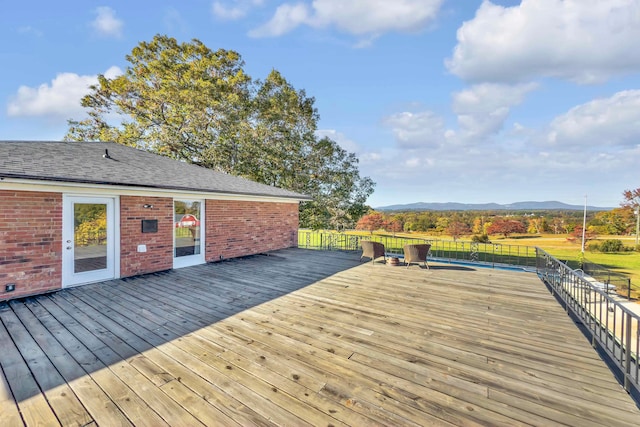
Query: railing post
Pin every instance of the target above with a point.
(493, 256)
(627, 354)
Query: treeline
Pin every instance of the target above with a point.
(619, 221)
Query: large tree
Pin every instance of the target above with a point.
(632, 200)
(371, 222)
(506, 227)
(188, 102)
(457, 229)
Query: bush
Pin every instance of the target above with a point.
(482, 238)
(610, 245)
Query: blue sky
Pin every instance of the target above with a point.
(465, 101)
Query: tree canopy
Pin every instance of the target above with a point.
(185, 101)
(506, 227)
(631, 198)
(371, 222)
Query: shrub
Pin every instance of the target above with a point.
(482, 238)
(610, 245)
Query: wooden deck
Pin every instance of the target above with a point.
(304, 337)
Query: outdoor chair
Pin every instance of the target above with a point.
(373, 250)
(416, 254)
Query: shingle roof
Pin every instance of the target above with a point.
(84, 162)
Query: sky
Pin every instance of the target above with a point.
(464, 101)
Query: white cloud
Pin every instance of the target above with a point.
(483, 109)
(112, 72)
(60, 99)
(413, 162)
(227, 13)
(364, 18)
(593, 148)
(599, 125)
(106, 24)
(370, 158)
(286, 18)
(238, 10)
(584, 41)
(416, 130)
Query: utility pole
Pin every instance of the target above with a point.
(584, 222)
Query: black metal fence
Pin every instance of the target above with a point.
(494, 255)
(604, 275)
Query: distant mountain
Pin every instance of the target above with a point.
(519, 206)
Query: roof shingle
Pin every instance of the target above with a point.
(84, 162)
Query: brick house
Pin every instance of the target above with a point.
(73, 213)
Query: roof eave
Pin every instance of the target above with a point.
(298, 197)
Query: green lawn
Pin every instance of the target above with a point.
(623, 262)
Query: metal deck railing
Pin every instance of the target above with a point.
(488, 254)
(612, 327)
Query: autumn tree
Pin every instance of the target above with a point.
(506, 227)
(632, 200)
(537, 225)
(479, 225)
(442, 223)
(616, 221)
(393, 225)
(371, 222)
(576, 234)
(456, 229)
(185, 101)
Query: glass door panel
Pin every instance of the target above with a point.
(89, 236)
(188, 216)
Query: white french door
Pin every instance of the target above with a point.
(89, 239)
(188, 234)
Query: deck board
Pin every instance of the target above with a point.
(85, 388)
(301, 337)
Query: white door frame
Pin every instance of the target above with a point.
(189, 260)
(112, 270)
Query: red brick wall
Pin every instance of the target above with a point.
(235, 228)
(31, 236)
(30, 242)
(159, 255)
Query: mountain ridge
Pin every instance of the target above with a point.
(519, 206)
